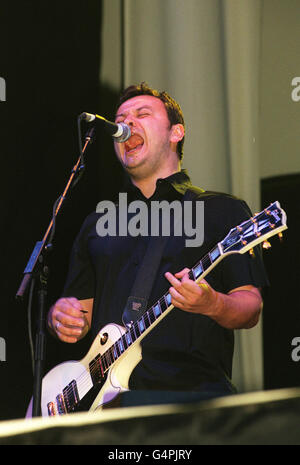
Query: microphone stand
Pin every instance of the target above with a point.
(36, 269)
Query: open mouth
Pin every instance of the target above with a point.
(134, 143)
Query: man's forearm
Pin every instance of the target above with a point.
(240, 309)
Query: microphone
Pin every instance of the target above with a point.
(119, 131)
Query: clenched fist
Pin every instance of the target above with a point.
(70, 318)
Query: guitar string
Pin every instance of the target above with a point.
(84, 379)
(99, 365)
(108, 357)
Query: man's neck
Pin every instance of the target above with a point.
(147, 185)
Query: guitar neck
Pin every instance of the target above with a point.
(151, 317)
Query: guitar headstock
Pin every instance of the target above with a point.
(267, 223)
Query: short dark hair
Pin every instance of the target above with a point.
(173, 109)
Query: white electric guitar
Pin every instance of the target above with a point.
(104, 372)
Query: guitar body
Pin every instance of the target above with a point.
(115, 381)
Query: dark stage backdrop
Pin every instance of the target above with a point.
(50, 60)
(281, 317)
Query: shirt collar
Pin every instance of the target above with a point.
(176, 183)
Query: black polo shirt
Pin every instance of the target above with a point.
(184, 351)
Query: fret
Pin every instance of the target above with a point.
(104, 362)
(197, 270)
(116, 351)
(206, 262)
(168, 299)
(136, 329)
(133, 333)
(214, 254)
(112, 354)
(141, 325)
(128, 338)
(146, 320)
(157, 310)
(99, 366)
(163, 304)
(108, 357)
(151, 315)
(123, 338)
(111, 358)
(121, 345)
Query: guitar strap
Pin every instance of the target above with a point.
(137, 305)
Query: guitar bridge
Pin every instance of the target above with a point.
(51, 409)
(65, 402)
(60, 403)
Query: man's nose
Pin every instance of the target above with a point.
(129, 120)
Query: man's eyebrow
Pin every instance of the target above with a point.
(143, 107)
(147, 107)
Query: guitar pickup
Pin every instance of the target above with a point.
(70, 396)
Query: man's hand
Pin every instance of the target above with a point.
(70, 318)
(240, 308)
(190, 296)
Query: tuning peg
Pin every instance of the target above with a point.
(251, 252)
(280, 235)
(266, 245)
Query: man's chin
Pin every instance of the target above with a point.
(136, 170)
(133, 162)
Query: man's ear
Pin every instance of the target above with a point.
(177, 133)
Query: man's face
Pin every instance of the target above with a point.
(148, 148)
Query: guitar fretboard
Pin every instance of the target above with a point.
(102, 363)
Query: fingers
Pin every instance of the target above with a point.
(68, 333)
(185, 286)
(182, 273)
(67, 319)
(187, 294)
